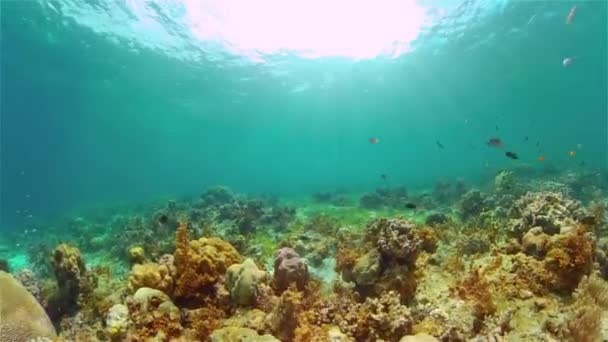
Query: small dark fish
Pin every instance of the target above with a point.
(511, 155)
(374, 141)
(537, 143)
(383, 176)
(163, 219)
(494, 142)
(410, 205)
(496, 128)
(439, 144)
(526, 139)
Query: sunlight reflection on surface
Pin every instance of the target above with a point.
(311, 28)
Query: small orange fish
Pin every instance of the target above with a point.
(572, 154)
(541, 158)
(571, 15)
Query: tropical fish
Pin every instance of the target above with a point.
(495, 142)
(511, 155)
(439, 144)
(572, 154)
(374, 141)
(541, 158)
(571, 15)
(568, 61)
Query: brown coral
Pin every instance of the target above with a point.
(475, 288)
(73, 280)
(154, 316)
(383, 318)
(591, 303)
(569, 258)
(396, 240)
(200, 264)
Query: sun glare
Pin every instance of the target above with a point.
(358, 29)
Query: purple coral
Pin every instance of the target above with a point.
(289, 268)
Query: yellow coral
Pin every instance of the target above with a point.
(200, 264)
(151, 275)
(137, 254)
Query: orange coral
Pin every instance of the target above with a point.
(475, 287)
(200, 264)
(204, 320)
(569, 257)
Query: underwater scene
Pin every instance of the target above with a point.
(288, 170)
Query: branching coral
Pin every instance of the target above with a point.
(591, 303)
(549, 210)
(204, 320)
(383, 318)
(569, 257)
(396, 240)
(154, 316)
(475, 288)
(200, 264)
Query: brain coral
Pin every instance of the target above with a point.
(21, 317)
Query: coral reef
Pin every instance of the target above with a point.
(502, 264)
(153, 316)
(152, 275)
(137, 255)
(235, 334)
(118, 322)
(376, 319)
(396, 240)
(242, 281)
(22, 317)
(73, 280)
(471, 204)
(200, 264)
(289, 269)
(551, 211)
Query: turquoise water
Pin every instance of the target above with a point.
(112, 102)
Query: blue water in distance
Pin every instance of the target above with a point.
(97, 108)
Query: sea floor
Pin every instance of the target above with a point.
(516, 259)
